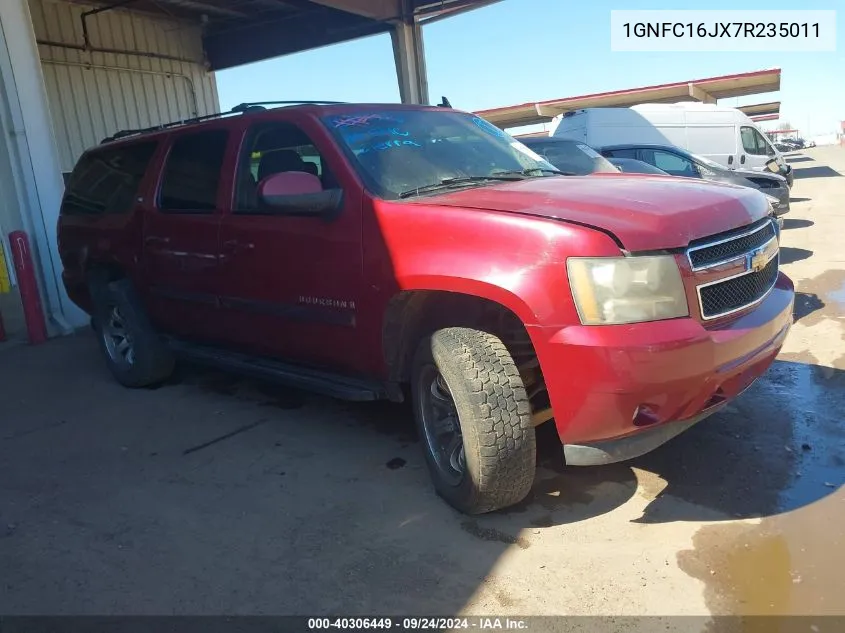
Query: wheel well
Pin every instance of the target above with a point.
(97, 274)
(413, 315)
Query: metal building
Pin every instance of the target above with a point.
(75, 71)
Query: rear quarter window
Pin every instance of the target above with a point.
(106, 180)
(191, 175)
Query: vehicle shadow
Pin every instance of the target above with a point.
(800, 158)
(791, 200)
(815, 172)
(739, 463)
(762, 455)
(789, 254)
(805, 304)
(775, 449)
(797, 224)
(294, 503)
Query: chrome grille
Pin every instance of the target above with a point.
(734, 294)
(760, 258)
(730, 247)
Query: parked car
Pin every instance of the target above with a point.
(374, 251)
(722, 134)
(633, 166)
(571, 157)
(678, 162)
(794, 143)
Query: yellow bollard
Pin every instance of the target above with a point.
(5, 279)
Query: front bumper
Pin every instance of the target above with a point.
(631, 384)
(782, 207)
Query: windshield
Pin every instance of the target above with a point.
(572, 157)
(401, 151)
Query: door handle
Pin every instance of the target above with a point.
(235, 246)
(742, 159)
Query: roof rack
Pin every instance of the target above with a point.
(242, 108)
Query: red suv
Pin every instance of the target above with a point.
(375, 251)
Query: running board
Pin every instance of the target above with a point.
(326, 383)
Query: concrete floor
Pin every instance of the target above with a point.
(215, 495)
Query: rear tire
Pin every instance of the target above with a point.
(472, 372)
(134, 352)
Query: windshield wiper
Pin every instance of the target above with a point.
(448, 183)
(532, 170)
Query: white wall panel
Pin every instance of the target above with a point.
(94, 94)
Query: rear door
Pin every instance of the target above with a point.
(102, 212)
(290, 285)
(181, 255)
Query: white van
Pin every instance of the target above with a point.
(722, 134)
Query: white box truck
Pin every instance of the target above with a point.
(722, 134)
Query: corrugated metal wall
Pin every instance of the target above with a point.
(92, 94)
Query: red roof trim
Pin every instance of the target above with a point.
(677, 84)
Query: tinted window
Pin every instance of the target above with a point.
(631, 166)
(274, 148)
(671, 163)
(107, 180)
(621, 153)
(572, 157)
(399, 151)
(192, 172)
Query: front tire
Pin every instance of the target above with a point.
(134, 352)
(474, 419)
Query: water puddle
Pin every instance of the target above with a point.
(838, 295)
(791, 562)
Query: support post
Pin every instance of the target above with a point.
(27, 136)
(409, 55)
(36, 326)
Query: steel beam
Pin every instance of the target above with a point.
(409, 55)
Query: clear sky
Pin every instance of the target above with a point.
(516, 51)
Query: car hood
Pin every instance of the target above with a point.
(750, 173)
(643, 212)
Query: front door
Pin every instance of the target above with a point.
(756, 150)
(290, 285)
(181, 256)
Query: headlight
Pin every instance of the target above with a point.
(615, 290)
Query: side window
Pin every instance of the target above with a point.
(621, 153)
(671, 163)
(763, 146)
(568, 157)
(192, 172)
(106, 181)
(750, 141)
(272, 148)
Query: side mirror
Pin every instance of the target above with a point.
(772, 166)
(297, 193)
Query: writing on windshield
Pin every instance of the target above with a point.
(401, 150)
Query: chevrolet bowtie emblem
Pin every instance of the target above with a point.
(758, 259)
